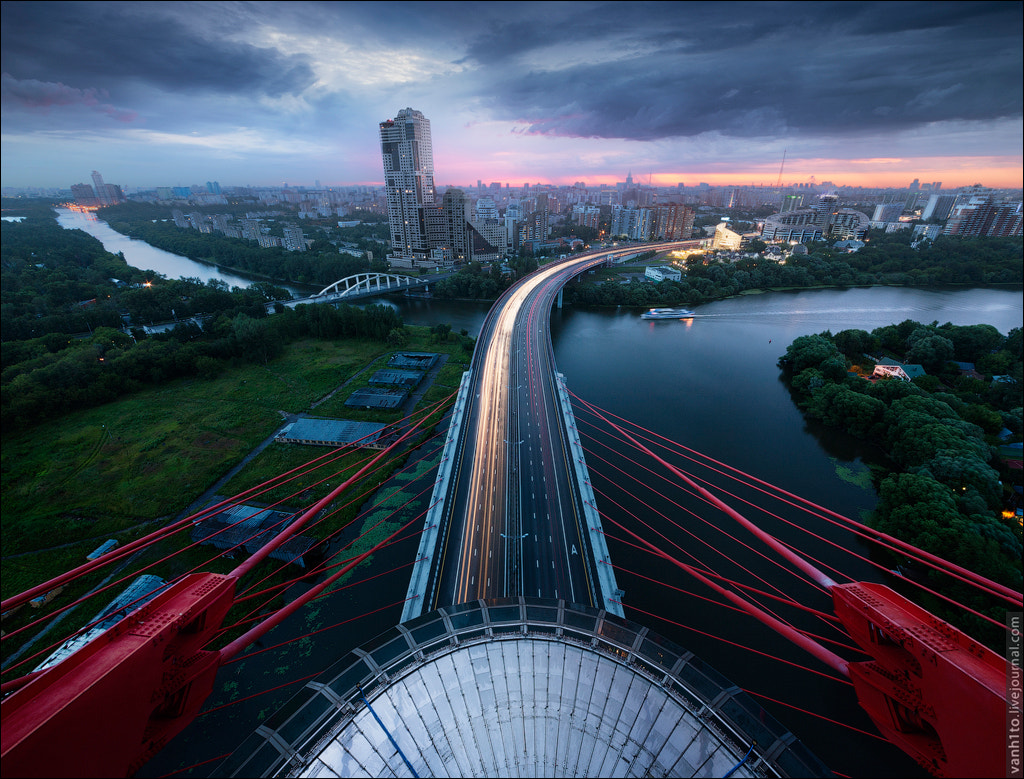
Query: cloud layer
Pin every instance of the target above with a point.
(659, 83)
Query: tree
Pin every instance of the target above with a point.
(963, 472)
(932, 352)
(973, 341)
(808, 351)
(839, 406)
(257, 342)
(854, 343)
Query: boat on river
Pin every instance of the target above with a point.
(667, 313)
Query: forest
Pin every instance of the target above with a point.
(942, 484)
(72, 316)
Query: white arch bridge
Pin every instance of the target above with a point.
(363, 285)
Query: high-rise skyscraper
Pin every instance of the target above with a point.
(409, 181)
(106, 194)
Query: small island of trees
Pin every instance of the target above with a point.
(942, 484)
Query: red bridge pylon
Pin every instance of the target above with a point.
(931, 689)
(112, 705)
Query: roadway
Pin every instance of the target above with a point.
(514, 522)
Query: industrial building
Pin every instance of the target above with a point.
(333, 432)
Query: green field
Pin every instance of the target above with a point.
(126, 468)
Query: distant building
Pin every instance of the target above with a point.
(142, 590)
(416, 361)
(727, 239)
(488, 240)
(107, 546)
(641, 224)
(293, 239)
(535, 226)
(849, 246)
(251, 229)
(825, 220)
(333, 432)
(106, 194)
(84, 195)
(586, 216)
(198, 221)
(981, 216)
(673, 222)
(486, 209)
(658, 273)
(938, 207)
(244, 530)
(927, 232)
(887, 212)
(791, 203)
(448, 232)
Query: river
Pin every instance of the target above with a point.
(141, 255)
(711, 383)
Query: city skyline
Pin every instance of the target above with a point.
(873, 94)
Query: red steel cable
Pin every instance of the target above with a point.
(995, 588)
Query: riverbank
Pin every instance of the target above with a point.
(142, 255)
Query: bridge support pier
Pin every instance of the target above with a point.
(560, 298)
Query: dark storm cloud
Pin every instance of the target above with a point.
(643, 71)
(42, 95)
(754, 69)
(101, 45)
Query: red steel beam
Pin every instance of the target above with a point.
(113, 704)
(931, 689)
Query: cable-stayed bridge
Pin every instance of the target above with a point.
(512, 515)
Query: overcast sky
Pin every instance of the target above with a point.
(860, 93)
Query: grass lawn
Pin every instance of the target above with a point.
(125, 468)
